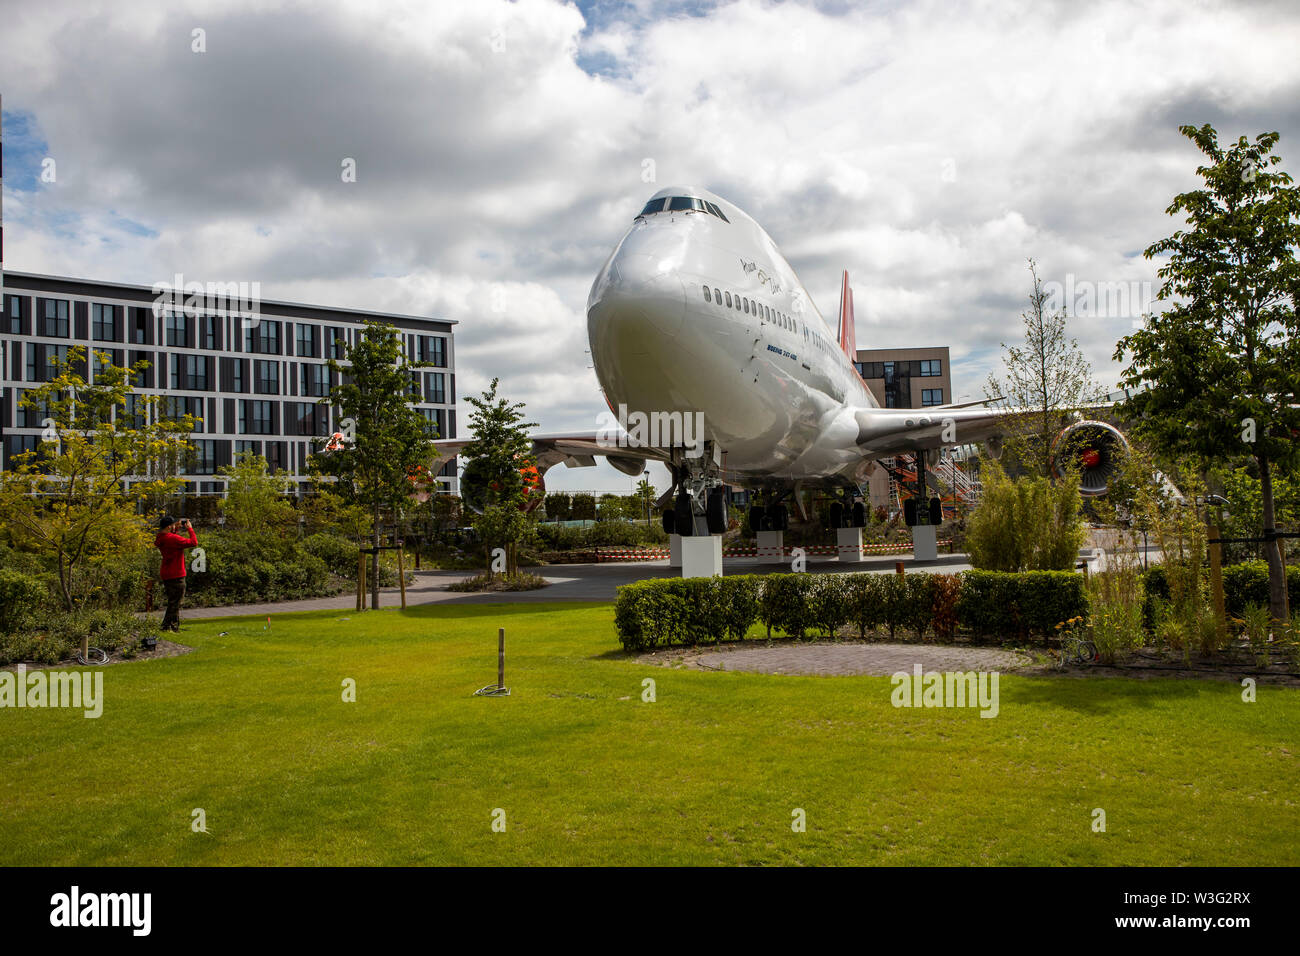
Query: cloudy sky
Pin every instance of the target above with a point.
(502, 149)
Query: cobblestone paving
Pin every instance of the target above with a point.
(840, 659)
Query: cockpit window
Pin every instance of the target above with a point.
(682, 204)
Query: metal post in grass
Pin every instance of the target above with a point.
(500, 690)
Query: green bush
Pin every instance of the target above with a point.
(1006, 604)
(1026, 524)
(58, 637)
(251, 568)
(705, 610)
(22, 599)
(783, 603)
(1247, 583)
(864, 597)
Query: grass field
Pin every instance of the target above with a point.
(252, 728)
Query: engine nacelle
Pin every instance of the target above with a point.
(1096, 449)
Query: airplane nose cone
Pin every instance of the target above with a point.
(637, 298)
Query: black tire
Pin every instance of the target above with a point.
(757, 519)
(779, 518)
(859, 515)
(715, 510)
(837, 515)
(682, 510)
(670, 522)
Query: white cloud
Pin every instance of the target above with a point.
(928, 148)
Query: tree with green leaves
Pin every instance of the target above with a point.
(497, 460)
(1220, 367)
(644, 496)
(1047, 376)
(385, 436)
(73, 502)
(256, 498)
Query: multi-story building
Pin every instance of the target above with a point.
(252, 385)
(907, 378)
(903, 378)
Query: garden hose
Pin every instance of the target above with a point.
(91, 652)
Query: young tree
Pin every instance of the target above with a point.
(388, 436)
(1048, 376)
(1221, 366)
(496, 460)
(74, 501)
(255, 498)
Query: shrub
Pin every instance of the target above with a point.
(946, 595)
(1246, 584)
(646, 614)
(739, 595)
(1001, 604)
(245, 568)
(22, 598)
(783, 603)
(864, 600)
(1025, 525)
(828, 608)
(59, 637)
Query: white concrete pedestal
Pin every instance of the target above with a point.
(848, 542)
(702, 556)
(674, 551)
(771, 547)
(924, 547)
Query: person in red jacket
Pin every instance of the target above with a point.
(172, 543)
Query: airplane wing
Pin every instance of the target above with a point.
(574, 450)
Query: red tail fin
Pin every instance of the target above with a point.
(848, 329)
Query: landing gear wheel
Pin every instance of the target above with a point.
(837, 515)
(715, 510)
(670, 522)
(758, 519)
(779, 517)
(683, 518)
(859, 515)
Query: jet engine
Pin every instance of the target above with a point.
(1095, 449)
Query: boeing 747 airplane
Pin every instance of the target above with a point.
(714, 360)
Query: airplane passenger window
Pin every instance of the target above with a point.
(717, 296)
(707, 297)
(654, 205)
(728, 300)
(746, 302)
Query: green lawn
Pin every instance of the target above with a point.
(251, 727)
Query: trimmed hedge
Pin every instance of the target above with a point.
(996, 604)
(1243, 585)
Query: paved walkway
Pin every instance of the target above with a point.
(840, 659)
(569, 582)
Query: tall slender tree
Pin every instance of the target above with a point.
(1221, 364)
(497, 462)
(386, 437)
(1047, 376)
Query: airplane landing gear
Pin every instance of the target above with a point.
(700, 507)
(848, 513)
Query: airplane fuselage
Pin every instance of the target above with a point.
(696, 313)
